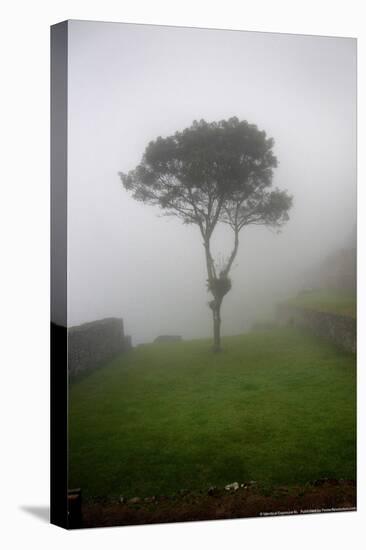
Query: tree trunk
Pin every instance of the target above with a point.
(216, 328)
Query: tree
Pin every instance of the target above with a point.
(210, 173)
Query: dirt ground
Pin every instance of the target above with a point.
(248, 501)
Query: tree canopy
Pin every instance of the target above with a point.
(210, 173)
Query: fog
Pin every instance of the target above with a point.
(129, 84)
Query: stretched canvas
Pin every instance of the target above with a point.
(203, 274)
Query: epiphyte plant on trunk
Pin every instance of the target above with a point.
(210, 173)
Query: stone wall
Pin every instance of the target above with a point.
(91, 344)
(339, 329)
(168, 338)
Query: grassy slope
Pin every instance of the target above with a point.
(276, 407)
(330, 301)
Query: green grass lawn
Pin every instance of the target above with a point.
(329, 301)
(277, 407)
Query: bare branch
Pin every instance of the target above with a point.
(225, 272)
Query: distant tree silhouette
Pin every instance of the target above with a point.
(210, 173)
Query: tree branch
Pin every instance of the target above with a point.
(225, 272)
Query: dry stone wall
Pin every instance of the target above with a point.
(90, 344)
(340, 329)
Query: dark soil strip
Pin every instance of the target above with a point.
(327, 496)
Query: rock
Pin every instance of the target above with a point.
(168, 338)
(248, 484)
(232, 486)
(134, 500)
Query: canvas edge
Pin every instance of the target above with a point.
(58, 359)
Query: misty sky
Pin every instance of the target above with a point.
(129, 84)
